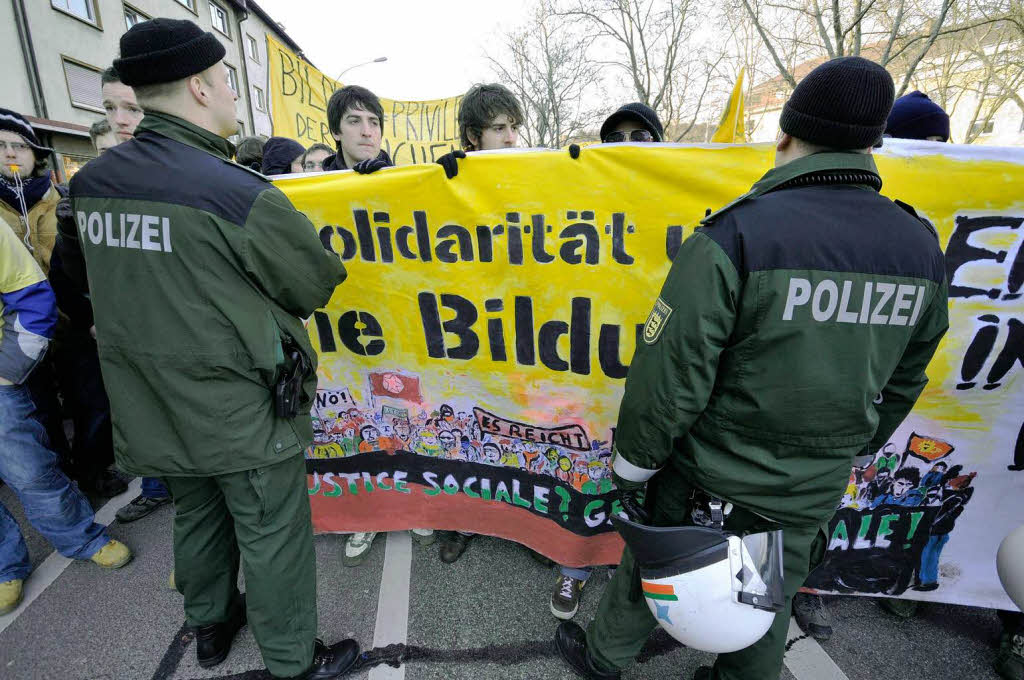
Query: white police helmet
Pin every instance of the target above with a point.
(1010, 565)
(711, 590)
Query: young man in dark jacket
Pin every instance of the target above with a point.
(356, 120)
(791, 335)
(200, 272)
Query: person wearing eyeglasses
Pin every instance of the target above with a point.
(633, 122)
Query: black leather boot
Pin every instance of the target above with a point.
(331, 662)
(213, 642)
(572, 645)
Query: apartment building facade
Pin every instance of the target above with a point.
(56, 49)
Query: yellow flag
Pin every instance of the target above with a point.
(731, 127)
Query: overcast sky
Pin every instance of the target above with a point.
(435, 48)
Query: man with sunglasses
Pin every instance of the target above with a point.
(633, 122)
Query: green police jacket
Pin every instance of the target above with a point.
(792, 333)
(198, 270)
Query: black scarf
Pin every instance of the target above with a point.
(34, 188)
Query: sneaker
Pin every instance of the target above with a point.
(330, 662)
(357, 548)
(213, 642)
(565, 601)
(140, 507)
(113, 555)
(423, 536)
(812, 616)
(453, 544)
(905, 609)
(10, 595)
(1009, 662)
(571, 641)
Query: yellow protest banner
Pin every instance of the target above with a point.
(472, 364)
(413, 131)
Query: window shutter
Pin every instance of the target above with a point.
(84, 85)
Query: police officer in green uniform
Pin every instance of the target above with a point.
(792, 334)
(200, 272)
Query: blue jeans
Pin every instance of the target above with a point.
(929, 572)
(54, 506)
(154, 488)
(578, 573)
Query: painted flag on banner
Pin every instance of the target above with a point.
(927, 448)
(731, 128)
(396, 386)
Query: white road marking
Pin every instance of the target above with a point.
(392, 625)
(806, 659)
(55, 564)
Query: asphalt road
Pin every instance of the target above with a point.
(484, 617)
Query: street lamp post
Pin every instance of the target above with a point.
(372, 61)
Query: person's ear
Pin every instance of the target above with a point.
(784, 141)
(198, 89)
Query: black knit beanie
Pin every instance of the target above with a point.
(165, 50)
(842, 104)
(638, 112)
(12, 121)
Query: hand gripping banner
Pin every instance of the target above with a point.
(472, 364)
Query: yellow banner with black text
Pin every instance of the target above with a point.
(413, 131)
(472, 364)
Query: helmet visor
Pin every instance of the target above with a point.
(760, 573)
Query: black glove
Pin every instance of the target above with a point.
(450, 162)
(632, 504)
(574, 151)
(65, 215)
(370, 165)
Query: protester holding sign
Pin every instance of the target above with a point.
(821, 304)
(355, 117)
(211, 396)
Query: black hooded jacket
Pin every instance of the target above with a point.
(337, 162)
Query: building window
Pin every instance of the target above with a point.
(982, 128)
(232, 78)
(133, 16)
(191, 4)
(84, 86)
(220, 18)
(261, 100)
(83, 9)
(254, 49)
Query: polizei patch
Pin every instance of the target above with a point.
(656, 321)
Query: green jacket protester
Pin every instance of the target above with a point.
(792, 333)
(196, 281)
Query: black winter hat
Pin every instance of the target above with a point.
(915, 116)
(278, 154)
(12, 121)
(165, 50)
(842, 104)
(642, 113)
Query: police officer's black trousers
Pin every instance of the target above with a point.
(622, 625)
(263, 516)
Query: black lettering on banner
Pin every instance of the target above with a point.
(960, 252)
(460, 326)
(289, 86)
(981, 347)
(323, 329)
(350, 333)
(673, 241)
